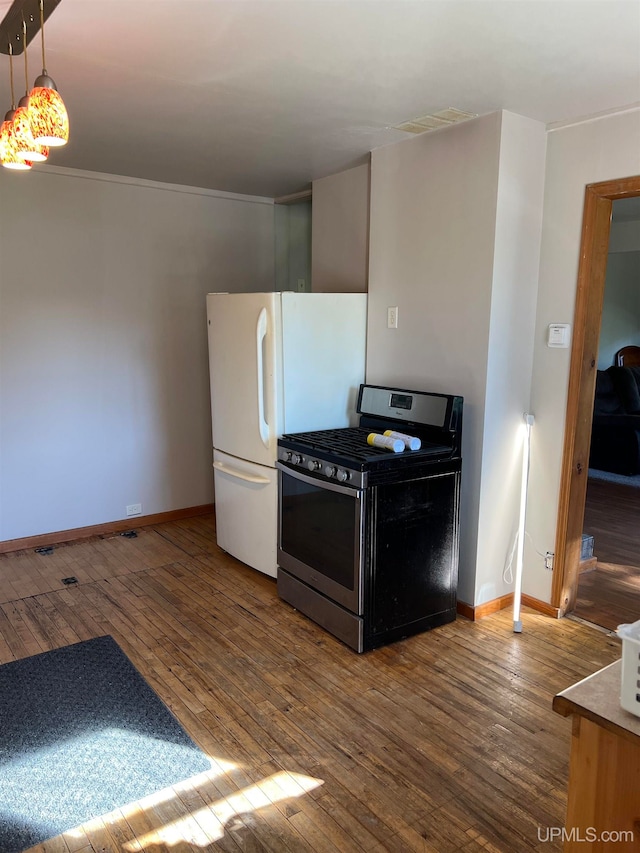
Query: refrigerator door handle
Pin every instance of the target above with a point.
(261, 333)
(240, 475)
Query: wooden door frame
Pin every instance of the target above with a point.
(594, 250)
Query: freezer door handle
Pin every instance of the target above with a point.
(261, 333)
(240, 475)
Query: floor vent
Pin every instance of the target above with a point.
(69, 581)
(45, 551)
(586, 548)
(129, 534)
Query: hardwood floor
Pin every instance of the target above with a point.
(442, 742)
(610, 594)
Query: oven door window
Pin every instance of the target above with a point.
(320, 528)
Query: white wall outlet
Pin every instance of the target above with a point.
(392, 317)
(134, 509)
(548, 561)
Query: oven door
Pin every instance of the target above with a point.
(320, 535)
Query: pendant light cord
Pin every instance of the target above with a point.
(13, 99)
(26, 64)
(44, 70)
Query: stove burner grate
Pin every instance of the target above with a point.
(351, 443)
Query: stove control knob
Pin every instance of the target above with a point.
(330, 470)
(342, 475)
(313, 465)
(287, 455)
(297, 459)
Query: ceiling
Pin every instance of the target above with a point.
(262, 97)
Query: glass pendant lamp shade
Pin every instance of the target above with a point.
(28, 148)
(8, 146)
(47, 113)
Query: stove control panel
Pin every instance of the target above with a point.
(335, 473)
(321, 469)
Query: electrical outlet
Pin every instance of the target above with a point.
(392, 317)
(548, 561)
(134, 509)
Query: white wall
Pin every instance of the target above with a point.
(621, 309)
(433, 202)
(104, 397)
(454, 240)
(340, 230)
(599, 150)
(510, 348)
(625, 235)
(293, 245)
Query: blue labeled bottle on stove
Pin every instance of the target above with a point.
(386, 442)
(411, 442)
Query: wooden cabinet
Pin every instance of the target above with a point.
(603, 799)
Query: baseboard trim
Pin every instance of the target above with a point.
(541, 606)
(466, 610)
(588, 565)
(45, 539)
(479, 611)
(501, 603)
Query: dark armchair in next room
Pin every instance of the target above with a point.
(615, 435)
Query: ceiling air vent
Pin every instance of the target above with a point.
(434, 121)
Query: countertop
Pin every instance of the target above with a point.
(597, 698)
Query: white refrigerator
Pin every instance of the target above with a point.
(278, 363)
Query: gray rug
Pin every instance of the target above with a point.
(82, 733)
(634, 481)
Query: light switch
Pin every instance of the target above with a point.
(558, 335)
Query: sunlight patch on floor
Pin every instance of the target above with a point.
(218, 768)
(207, 824)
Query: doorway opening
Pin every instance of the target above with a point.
(582, 378)
(609, 580)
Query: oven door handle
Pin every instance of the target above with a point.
(352, 491)
(240, 475)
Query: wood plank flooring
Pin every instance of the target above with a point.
(442, 742)
(610, 594)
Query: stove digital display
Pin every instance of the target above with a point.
(401, 401)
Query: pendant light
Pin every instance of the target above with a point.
(28, 148)
(8, 146)
(47, 112)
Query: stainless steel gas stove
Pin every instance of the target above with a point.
(368, 538)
